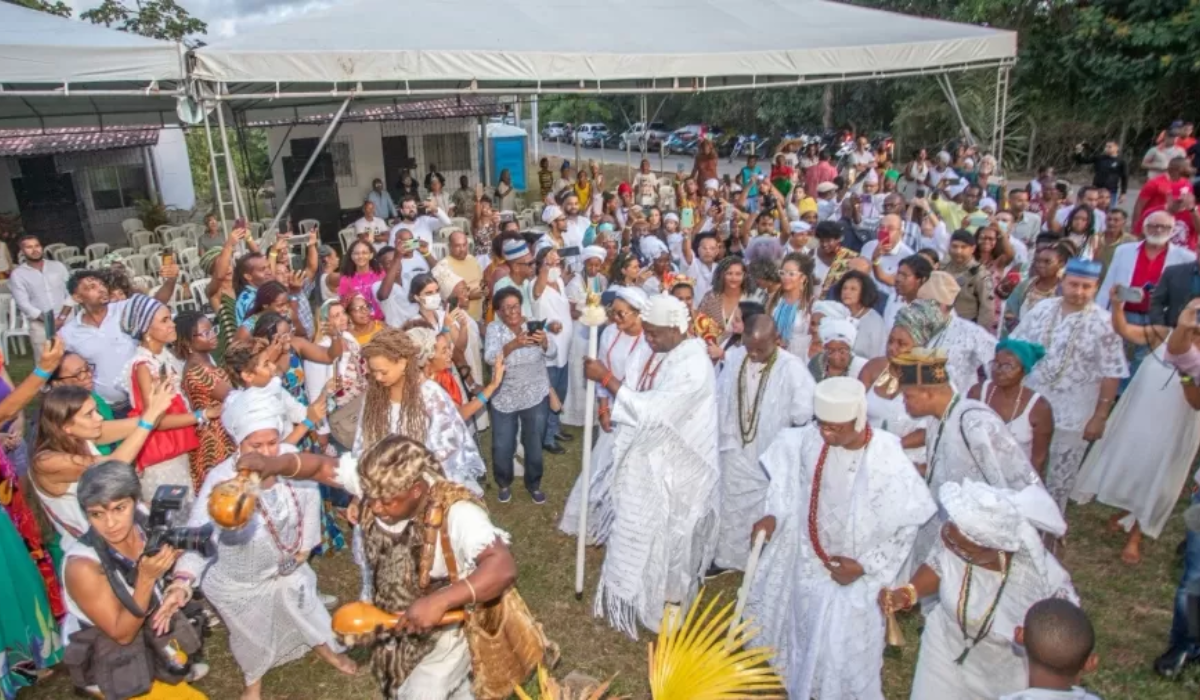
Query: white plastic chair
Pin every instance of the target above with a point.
(131, 225)
(199, 289)
(137, 264)
(307, 225)
(96, 251)
(49, 249)
(187, 257)
(67, 251)
(17, 328)
(347, 236)
(439, 250)
(121, 252)
(463, 223)
(160, 231)
(140, 239)
(97, 264)
(76, 262)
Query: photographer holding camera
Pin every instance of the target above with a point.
(126, 628)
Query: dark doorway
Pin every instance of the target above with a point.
(317, 197)
(47, 202)
(395, 159)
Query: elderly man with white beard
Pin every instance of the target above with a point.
(765, 390)
(666, 475)
(843, 509)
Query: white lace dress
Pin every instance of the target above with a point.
(1082, 350)
(626, 356)
(829, 638)
(173, 471)
(787, 402)
(573, 403)
(266, 598)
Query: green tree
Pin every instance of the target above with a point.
(158, 19)
(55, 8)
(251, 158)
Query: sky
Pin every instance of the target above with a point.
(226, 18)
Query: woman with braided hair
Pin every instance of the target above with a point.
(395, 380)
(405, 485)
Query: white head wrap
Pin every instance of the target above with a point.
(943, 157)
(250, 410)
(446, 278)
(712, 184)
(831, 309)
(841, 400)
(1002, 518)
(832, 328)
(426, 341)
(799, 227)
(652, 248)
(552, 212)
(594, 252)
(633, 296)
(988, 204)
(668, 312)
(671, 216)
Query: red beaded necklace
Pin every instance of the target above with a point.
(814, 500)
(646, 381)
(613, 344)
(291, 550)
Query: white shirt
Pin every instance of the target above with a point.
(1099, 218)
(371, 227)
(108, 347)
(576, 230)
(38, 291)
(936, 176)
(890, 262)
(702, 275)
(422, 228)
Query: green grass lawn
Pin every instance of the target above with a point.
(1130, 607)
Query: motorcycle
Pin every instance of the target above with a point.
(743, 144)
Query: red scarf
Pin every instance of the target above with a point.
(445, 379)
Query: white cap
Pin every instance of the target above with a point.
(551, 213)
(799, 227)
(841, 400)
(826, 187)
(668, 312)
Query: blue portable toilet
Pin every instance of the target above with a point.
(506, 146)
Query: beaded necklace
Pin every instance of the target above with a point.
(613, 344)
(964, 599)
(289, 552)
(1012, 416)
(938, 440)
(646, 381)
(1067, 354)
(814, 499)
(749, 432)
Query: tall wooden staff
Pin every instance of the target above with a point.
(593, 317)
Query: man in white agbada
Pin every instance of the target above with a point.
(987, 570)
(763, 391)
(842, 511)
(968, 441)
(1080, 375)
(666, 474)
(259, 582)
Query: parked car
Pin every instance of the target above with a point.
(590, 135)
(556, 131)
(641, 135)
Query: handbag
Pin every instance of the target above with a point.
(343, 421)
(162, 445)
(505, 640)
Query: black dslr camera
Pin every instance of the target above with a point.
(167, 501)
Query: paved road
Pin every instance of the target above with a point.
(657, 162)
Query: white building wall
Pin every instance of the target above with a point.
(365, 143)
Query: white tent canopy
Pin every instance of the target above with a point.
(61, 72)
(406, 47)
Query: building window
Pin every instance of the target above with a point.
(343, 162)
(117, 187)
(448, 151)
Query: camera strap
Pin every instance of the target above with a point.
(120, 572)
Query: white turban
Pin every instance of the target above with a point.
(988, 204)
(633, 296)
(668, 312)
(552, 212)
(712, 184)
(841, 400)
(594, 252)
(426, 341)
(1003, 519)
(832, 328)
(446, 278)
(652, 248)
(831, 309)
(671, 216)
(250, 410)
(799, 227)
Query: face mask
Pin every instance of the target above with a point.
(554, 274)
(1003, 226)
(431, 303)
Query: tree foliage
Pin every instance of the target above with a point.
(54, 8)
(158, 19)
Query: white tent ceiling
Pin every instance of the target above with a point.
(409, 47)
(57, 72)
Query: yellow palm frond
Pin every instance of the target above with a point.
(550, 689)
(702, 659)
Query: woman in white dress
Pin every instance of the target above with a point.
(624, 351)
(791, 305)
(348, 369)
(837, 358)
(1141, 463)
(259, 580)
(550, 304)
(591, 281)
(1026, 413)
(148, 321)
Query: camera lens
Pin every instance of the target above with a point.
(192, 539)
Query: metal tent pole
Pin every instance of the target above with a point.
(948, 89)
(333, 125)
(230, 173)
(996, 110)
(536, 136)
(1003, 117)
(216, 176)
